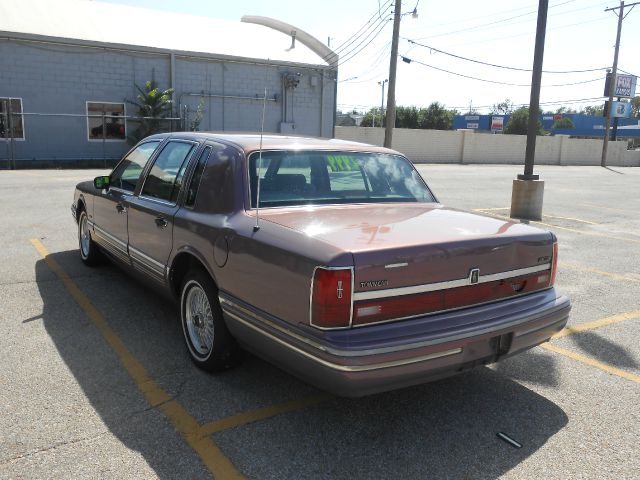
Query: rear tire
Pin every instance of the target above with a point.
(89, 252)
(209, 343)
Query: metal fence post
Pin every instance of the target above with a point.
(5, 129)
(104, 139)
(10, 128)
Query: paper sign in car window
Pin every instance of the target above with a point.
(342, 163)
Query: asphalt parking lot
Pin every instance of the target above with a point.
(95, 381)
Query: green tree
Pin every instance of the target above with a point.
(564, 122)
(519, 121)
(368, 120)
(407, 117)
(194, 126)
(594, 110)
(152, 106)
(502, 108)
(566, 110)
(635, 107)
(436, 117)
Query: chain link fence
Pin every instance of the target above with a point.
(98, 137)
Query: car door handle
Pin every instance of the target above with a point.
(161, 222)
(121, 208)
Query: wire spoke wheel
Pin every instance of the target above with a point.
(199, 320)
(210, 345)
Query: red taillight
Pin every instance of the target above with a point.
(331, 297)
(554, 264)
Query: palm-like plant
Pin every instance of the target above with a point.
(152, 105)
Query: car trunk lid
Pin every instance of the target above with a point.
(412, 259)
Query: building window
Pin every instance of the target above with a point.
(11, 107)
(105, 121)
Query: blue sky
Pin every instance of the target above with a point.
(580, 36)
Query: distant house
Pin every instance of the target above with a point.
(348, 119)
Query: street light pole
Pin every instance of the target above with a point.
(534, 102)
(393, 64)
(528, 190)
(381, 83)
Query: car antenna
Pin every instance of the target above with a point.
(256, 227)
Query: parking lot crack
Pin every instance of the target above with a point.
(53, 447)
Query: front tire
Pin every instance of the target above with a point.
(89, 252)
(210, 345)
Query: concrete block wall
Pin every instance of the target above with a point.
(440, 146)
(54, 78)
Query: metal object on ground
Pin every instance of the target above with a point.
(506, 438)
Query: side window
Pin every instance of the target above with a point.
(167, 173)
(197, 176)
(126, 175)
(216, 193)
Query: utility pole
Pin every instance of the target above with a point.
(528, 190)
(614, 72)
(393, 65)
(381, 83)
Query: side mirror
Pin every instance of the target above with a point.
(102, 182)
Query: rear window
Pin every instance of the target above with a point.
(313, 177)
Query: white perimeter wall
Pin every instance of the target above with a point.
(442, 146)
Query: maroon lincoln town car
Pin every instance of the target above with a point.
(330, 259)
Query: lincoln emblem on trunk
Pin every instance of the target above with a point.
(339, 289)
(474, 275)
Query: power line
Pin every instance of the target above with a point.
(495, 65)
(628, 73)
(531, 12)
(558, 102)
(373, 66)
(526, 34)
(409, 60)
(352, 53)
(489, 24)
(367, 24)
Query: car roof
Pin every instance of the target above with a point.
(250, 142)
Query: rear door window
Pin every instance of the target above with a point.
(167, 173)
(197, 176)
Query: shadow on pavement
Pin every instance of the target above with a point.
(595, 345)
(445, 429)
(533, 366)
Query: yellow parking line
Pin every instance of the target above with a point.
(593, 234)
(487, 211)
(213, 458)
(260, 414)
(598, 323)
(571, 218)
(601, 207)
(616, 276)
(592, 362)
(546, 216)
(22, 172)
(490, 209)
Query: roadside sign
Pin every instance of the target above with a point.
(625, 85)
(621, 109)
(497, 124)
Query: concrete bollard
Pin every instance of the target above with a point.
(526, 199)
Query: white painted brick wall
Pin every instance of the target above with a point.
(440, 146)
(60, 79)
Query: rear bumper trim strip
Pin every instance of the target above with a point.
(432, 287)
